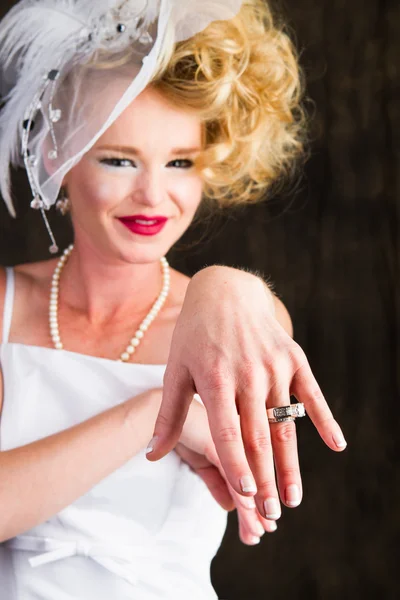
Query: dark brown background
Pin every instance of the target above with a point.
(332, 248)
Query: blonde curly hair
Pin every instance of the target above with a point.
(243, 78)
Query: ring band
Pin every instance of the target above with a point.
(281, 419)
(282, 414)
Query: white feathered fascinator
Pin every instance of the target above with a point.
(54, 110)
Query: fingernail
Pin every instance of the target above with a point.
(293, 495)
(339, 440)
(272, 509)
(255, 540)
(152, 444)
(249, 502)
(274, 527)
(259, 529)
(248, 484)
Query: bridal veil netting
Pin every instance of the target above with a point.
(55, 108)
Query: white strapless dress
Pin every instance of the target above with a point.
(147, 531)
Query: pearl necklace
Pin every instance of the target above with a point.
(143, 327)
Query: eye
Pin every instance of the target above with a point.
(117, 162)
(181, 163)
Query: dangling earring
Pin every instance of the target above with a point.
(63, 204)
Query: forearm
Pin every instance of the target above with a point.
(40, 479)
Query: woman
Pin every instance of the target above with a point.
(81, 395)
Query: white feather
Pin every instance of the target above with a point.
(35, 37)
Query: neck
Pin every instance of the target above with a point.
(104, 289)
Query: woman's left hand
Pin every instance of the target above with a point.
(230, 348)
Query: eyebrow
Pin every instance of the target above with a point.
(132, 150)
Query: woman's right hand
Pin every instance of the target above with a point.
(197, 449)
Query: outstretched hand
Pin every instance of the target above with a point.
(229, 347)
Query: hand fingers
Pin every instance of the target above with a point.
(246, 535)
(217, 486)
(251, 525)
(177, 395)
(306, 389)
(284, 443)
(269, 526)
(210, 474)
(227, 436)
(250, 528)
(258, 444)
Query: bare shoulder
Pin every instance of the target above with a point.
(29, 278)
(25, 274)
(35, 272)
(32, 276)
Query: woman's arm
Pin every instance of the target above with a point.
(40, 479)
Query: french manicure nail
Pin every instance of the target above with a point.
(292, 495)
(249, 502)
(259, 529)
(272, 509)
(273, 528)
(339, 440)
(152, 444)
(255, 540)
(248, 484)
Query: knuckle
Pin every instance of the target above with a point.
(278, 361)
(285, 433)
(272, 360)
(290, 474)
(266, 488)
(258, 443)
(250, 391)
(217, 380)
(246, 378)
(228, 434)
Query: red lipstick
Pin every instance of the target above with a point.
(144, 225)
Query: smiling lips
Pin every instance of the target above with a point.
(142, 225)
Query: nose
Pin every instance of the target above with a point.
(150, 187)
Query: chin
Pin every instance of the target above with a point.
(141, 254)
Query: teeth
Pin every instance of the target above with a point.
(142, 222)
